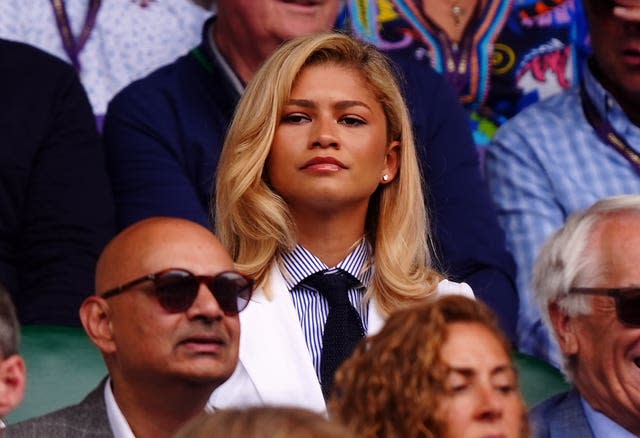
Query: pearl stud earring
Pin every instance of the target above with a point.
(385, 177)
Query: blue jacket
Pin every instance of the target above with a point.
(560, 416)
(164, 134)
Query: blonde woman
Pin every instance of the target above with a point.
(319, 197)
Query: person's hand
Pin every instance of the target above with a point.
(628, 10)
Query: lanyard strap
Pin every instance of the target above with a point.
(605, 131)
(72, 45)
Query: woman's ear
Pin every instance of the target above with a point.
(95, 315)
(13, 381)
(391, 163)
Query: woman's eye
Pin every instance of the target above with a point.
(506, 389)
(352, 121)
(456, 389)
(295, 118)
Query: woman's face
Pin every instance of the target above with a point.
(481, 396)
(330, 150)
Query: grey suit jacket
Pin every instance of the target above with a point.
(86, 419)
(560, 416)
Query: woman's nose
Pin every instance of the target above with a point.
(490, 404)
(324, 134)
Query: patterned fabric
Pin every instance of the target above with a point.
(127, 42)
(543, 165)
(312, 307)
(523, 50)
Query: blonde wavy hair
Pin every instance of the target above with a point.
(253, 221)
(392, 384)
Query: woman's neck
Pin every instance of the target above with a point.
(330, 236)
(451, 16)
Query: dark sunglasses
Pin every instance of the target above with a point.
(177, 289)
(627, 301)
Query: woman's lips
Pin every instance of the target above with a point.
(323, 164)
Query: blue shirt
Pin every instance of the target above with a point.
(603, 426)
(543, 165)
(312, 306)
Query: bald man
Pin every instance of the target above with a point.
(165, 317)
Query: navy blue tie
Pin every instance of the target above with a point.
(343, 329)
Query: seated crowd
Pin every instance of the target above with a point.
(285, 232)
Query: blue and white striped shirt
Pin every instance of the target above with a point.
(543, 165)
(312, 306)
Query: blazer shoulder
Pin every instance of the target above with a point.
(85, 419)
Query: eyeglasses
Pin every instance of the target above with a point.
(177, 289)
(627, 301)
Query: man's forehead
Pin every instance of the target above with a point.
(157, 244)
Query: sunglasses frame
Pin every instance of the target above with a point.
(619, 294)
(206, 279)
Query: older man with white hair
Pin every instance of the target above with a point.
(587, 281)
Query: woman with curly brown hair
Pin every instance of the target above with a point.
(437, 369)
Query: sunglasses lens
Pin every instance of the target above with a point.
(232, 290)
(176, 290)
(628, 307)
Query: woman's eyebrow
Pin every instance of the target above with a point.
(342, 104)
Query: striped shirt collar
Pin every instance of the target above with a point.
(301, 263)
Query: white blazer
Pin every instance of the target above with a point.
(275, 367)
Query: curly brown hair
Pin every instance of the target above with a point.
(392, 384)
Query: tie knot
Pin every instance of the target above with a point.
(333, 285)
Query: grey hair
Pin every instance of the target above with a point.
(9, 326)
(569, 259)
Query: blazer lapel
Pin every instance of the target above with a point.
(569, 419)
(375, 320)
(273, 350)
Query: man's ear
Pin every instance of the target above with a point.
(392, 162)
(564, 326)
(95, 315)
(13, 381)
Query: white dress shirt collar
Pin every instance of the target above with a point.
(118, 423)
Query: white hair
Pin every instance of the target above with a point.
(570, 258)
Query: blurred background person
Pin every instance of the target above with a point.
(319, 197)
(56, 206)
(561, 155)
(499, 55)
(110, 43)
(12, 368)
(263, 422)
(436, 369)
